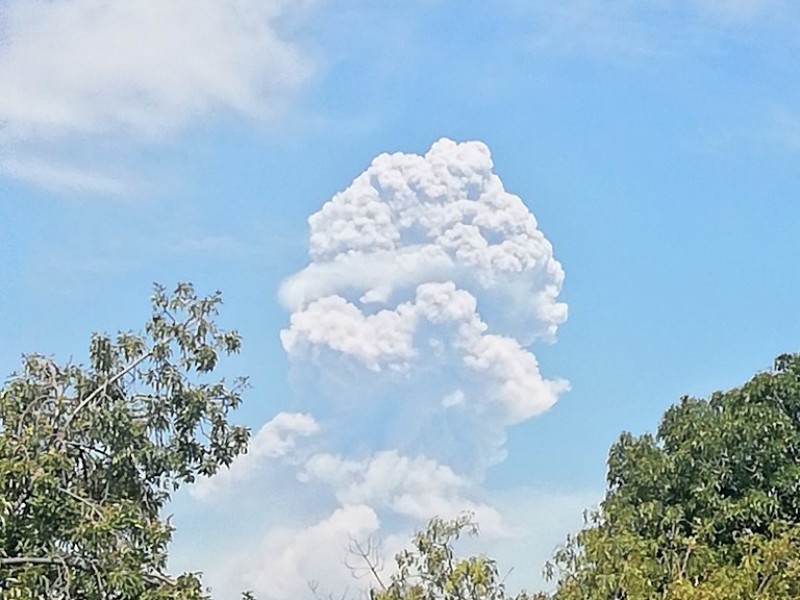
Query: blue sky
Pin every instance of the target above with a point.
(655, 142)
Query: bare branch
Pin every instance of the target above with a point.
(370, 557)
(102, 388)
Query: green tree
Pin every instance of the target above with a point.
(432, 571)
(89, 455)
(708, 508)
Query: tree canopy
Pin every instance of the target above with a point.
(89, 455)
(432, 571)
(707, 508)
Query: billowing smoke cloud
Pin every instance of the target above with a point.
(408, 339)
(441, 217)
(427, 281)
(274, 441)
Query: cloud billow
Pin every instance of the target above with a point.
(425, 273)
(409, 341)
(445, 216)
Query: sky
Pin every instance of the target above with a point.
(467, 244)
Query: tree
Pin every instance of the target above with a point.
(708, 508)
(432, 571)
(90, 455)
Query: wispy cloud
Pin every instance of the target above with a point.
(782, 127)
(221, 246)
(94, 69)
(738, 10)
(631, 31)
(73, 258)
(62, 178)
(617, 30)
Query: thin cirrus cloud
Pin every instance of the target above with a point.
(409, 341)
(738, 10)
(94, 70)
(57, 176)
(629, 31)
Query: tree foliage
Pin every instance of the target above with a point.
(432, 571)
(708, 508)
(89, 455)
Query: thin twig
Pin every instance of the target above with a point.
(104, 387)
